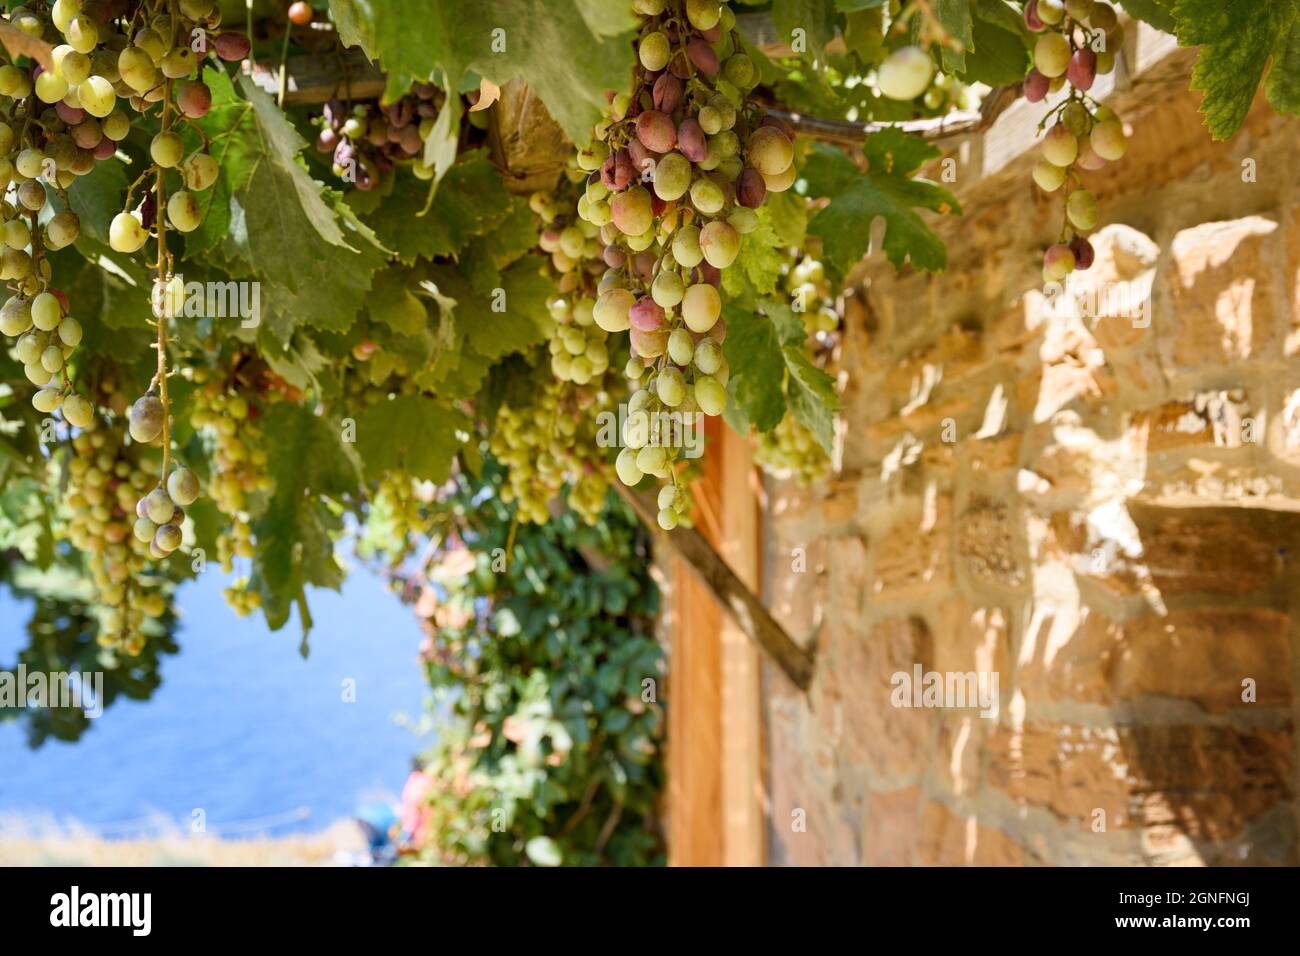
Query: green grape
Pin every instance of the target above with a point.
(701, 307)
(711, 395)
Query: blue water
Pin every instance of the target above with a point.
(241, 727)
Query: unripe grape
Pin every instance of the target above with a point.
(1049, 176)
(654, 51)
(646, 315)
(1102, 16)
(769, 150)
(29, 348)
(82, 33)
(47, 400)
(612, 310)
(743, 220)
(62, 12)
(649, 344)
(653, 460)
(1058, 262)
(126, 233)
(37, 374)
(1088, 158)
(1051, 12)
(668, 289)
(29, 162)
(52, 359)
(720, 244)
(158, 507)
(651, 8)
(183, 487)
(739, 70)
(711, 395)
(1052, 55)
(904, 75)
(671, 386)
(667, 518)
(78, 412)
(667, 497)
(183, 211)
(97, 97)
(199, 171)
(632, 212)
(672, 176)
(31, 195)
(1082, 70)
(1081, 208)
(146, 423)
(686, 247)
(47, 312)
(50, 87)
(780, 182)
(144, 529)
(167, 149)
(655, 131)
(231, 46)
(681, 347)
(625, 466)
(701, 307)
(70, 332)
(703, 14)
(707, 196)
(1060, 146)
(137, 69)
(16, 234)
(194, 98)
(1035, 85)
(168, 538)
(62, 230)
(16, 317)
(1108, 140)
(708, 356)
(179, 62)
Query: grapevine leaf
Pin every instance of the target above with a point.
(754, 348)
(444, 137)
(758, 264)
(500, 40)
(394, 304)
(811, 394)
(997, 56)
(885, 191)
(97, 197)
(1236, 40)
(809, 21)
(1158, 13)
(864, 33)
(413, 434)
(1283, 83)
(955, 17)
(470, 202)
(295, 546)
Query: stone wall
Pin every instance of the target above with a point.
(1098, 508)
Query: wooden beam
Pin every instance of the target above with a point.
(311, 80)
(747, 610)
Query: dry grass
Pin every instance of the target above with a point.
(74, 847)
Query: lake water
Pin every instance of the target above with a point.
(241, 727)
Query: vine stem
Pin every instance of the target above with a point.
(161, 213)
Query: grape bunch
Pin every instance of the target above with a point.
(228, 410)
(368, 140)
(105, 474)
(46, 338)
(678, 170)
(1077, 43)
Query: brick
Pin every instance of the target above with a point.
(893, 826)
(1221, 307)
(951, 840)
(914, 554)
(1212, 781)
(1196, 655)
(986, 545)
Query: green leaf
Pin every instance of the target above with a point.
(886, 191)
(97, 197)
(955, 17)
(755, 352)
(1158, 13)
(568, 51)
(393, 304)
(470, 202)
(295, 546)
(811, 395)
(997, 57)
(814, 19)
(1283, 83)
(412, 434)
(1236, 39)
